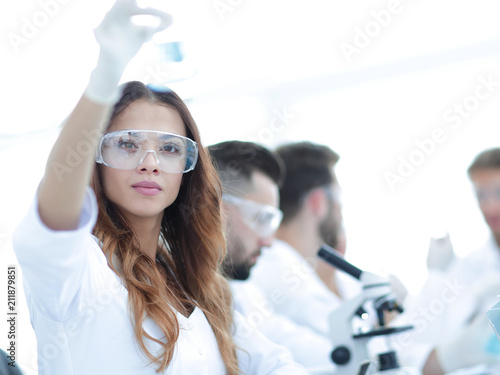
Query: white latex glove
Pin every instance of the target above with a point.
(440, 253)
(470, 348)
(120, 40)
(476, 299)
(486, 291)
(398, 288)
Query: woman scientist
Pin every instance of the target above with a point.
(122, 278)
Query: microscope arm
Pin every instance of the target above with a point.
(350, 348)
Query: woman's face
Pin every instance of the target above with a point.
(130, 189)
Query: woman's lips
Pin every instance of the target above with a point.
(149, 188)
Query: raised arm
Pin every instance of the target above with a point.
(71, 161)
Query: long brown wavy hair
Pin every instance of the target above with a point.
(191, 248)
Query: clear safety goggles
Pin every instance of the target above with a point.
(334, 193)
(127, 149)
(263, 219)
(486, 194)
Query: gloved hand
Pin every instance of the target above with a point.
(474, 346)
(485, 291)
(399, 288)
(120, 40)
(440, 253)
(493, 315)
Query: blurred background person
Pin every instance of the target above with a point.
(311, 217)
(450, 310)
(325, 271)
(310, 289)
(251, 175)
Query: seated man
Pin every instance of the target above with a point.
(312, 216)
(250, 175)
(311, 290)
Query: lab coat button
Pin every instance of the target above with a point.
(200, 351)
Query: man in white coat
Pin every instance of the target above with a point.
(250, 175)
(310, 289)
(450, 312)
(312, 216)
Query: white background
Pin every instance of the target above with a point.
(272, 72)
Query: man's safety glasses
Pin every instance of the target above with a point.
(263, 219)
(127, 149)
(486, 194)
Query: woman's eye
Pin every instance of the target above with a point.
(127, 145)
(170, 148)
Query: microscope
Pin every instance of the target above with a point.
(351, 352)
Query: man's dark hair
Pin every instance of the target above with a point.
(236, 161)
(307, 167)
(487, 159)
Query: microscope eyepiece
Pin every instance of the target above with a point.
(332, 256)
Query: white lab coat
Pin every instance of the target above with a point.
(79, 311)
(449, 300)
(308, 348)
(285, 277)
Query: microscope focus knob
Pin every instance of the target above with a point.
(341, 355)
